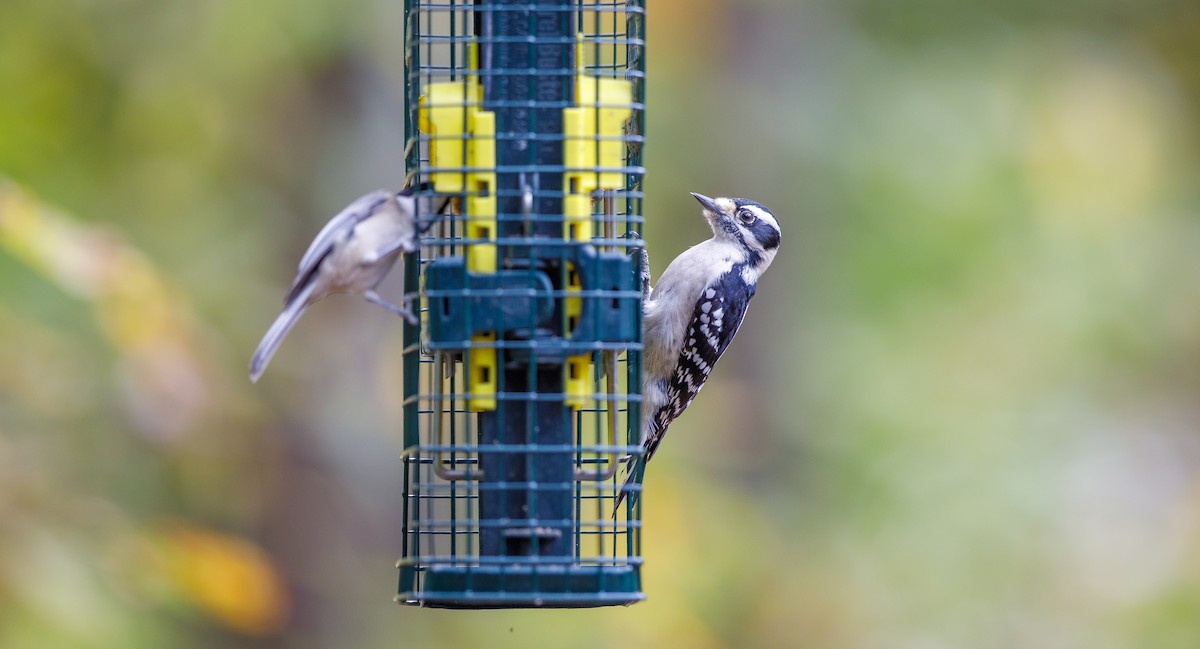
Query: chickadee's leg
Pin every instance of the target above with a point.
(404, 312)
(408, 308)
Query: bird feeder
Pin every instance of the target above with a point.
(522, 379)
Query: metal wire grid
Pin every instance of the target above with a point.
(442, 464)
(446, 512)
(610, 35)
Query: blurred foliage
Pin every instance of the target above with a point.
(962, 413)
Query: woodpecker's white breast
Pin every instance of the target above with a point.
(675, 296)
(670, 310)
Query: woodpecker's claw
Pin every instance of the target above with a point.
(644, 271)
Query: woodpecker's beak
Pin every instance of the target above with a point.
(712, 210)
(708, 203)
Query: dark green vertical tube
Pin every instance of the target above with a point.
(526, 68)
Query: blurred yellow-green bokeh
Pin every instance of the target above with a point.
(964, 410)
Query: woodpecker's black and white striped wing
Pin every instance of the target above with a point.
(718, 314)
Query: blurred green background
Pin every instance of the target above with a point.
(962, 412)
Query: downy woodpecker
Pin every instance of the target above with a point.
(693, 312)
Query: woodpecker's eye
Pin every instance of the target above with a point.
(745, 216)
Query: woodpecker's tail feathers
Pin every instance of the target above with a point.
(632, 485)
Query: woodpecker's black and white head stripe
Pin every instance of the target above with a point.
(697, 307)
(748, 223)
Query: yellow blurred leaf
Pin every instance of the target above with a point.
(229, 578)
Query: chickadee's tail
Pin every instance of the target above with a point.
(278, 331)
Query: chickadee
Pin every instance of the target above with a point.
(351, 254)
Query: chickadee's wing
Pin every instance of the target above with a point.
(361, 208)
(337, 227)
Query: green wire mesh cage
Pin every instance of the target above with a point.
(522, 380)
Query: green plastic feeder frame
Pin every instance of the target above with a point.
(522, 381)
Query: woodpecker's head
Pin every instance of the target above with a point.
(746, 223)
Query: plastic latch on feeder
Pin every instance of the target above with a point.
(462, 152)
(593, 154)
